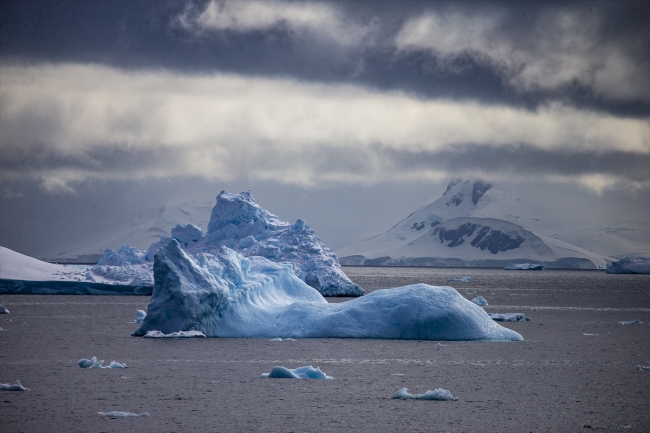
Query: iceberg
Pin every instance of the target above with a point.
(437, 394)
(228, 295)
(178, 334)
(15, 387)
(3, 310)
(631, 322)
(461, 279)
(140, 315)
(630, 265)
(307, 372)
(480, 301)
(120, 414)
(509, 317)
(93, 363)
(642, 367)
(526, 267)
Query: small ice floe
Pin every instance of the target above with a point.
(589, 335)
(93, 363)
(307, 372)
(437, 394)
(440, 344)
(15, 387)
(282, 339)
(526, 267)
(119, 414)
(480, 301)
(509, 317)
(477, 364)
(140, 315)
(631, 322)
(397, 374)
(642, 367)
(3, 310)
(461, 279)
(179, 334)
(2, 329)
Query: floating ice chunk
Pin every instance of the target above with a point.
(15, 387)
(630, 265)
(178, 334)
(461, 279)
(93, 363)
(642, 367)
(119, 414)
(631, 322)
(87, 363)
(437, 394)
(2, 329)
(480, 301)
(526, 267)
(3, 310)
(140, 315)
(280, 339)
(588, 335)
(307, 372)
(227, 295)
(509, 317)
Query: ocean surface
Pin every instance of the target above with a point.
(576, 370)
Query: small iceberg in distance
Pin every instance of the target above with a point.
(480, 301)
(437, 394)
(526, 267)
(228, 295)
(461, 279)
(307, 372)
(15, 387)
(93, 363)
(120, 414)
(3, 310)
(509, 317)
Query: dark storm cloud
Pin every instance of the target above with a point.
(356, 42)
(525, 160)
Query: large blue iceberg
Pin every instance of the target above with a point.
(228, 295)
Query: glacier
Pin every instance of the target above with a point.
(525, 267)
(630, 265)
(228, 295)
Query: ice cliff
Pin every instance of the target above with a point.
(630, 265)
(227, 295)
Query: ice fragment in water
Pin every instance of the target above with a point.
(437, 394)
(3, 310)
(140, 315)
(307, 372)
(631, 322)
(15, 387)
(178, 334)
(461, 279)
(119, 414)
(480, 301)
(509, 317)
(643, 367)
(93, 363)
(526, 267)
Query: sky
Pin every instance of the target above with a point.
(350, 114)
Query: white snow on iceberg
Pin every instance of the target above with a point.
(525, 267)
(630, 265)
(307, 372)
(228, 295)
(437, 394)
(15, 387)
(20, 274)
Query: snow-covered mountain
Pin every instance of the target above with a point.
(142, 231)
(474, 224)
(620, 239)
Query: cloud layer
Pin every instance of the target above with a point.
(63, 124)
